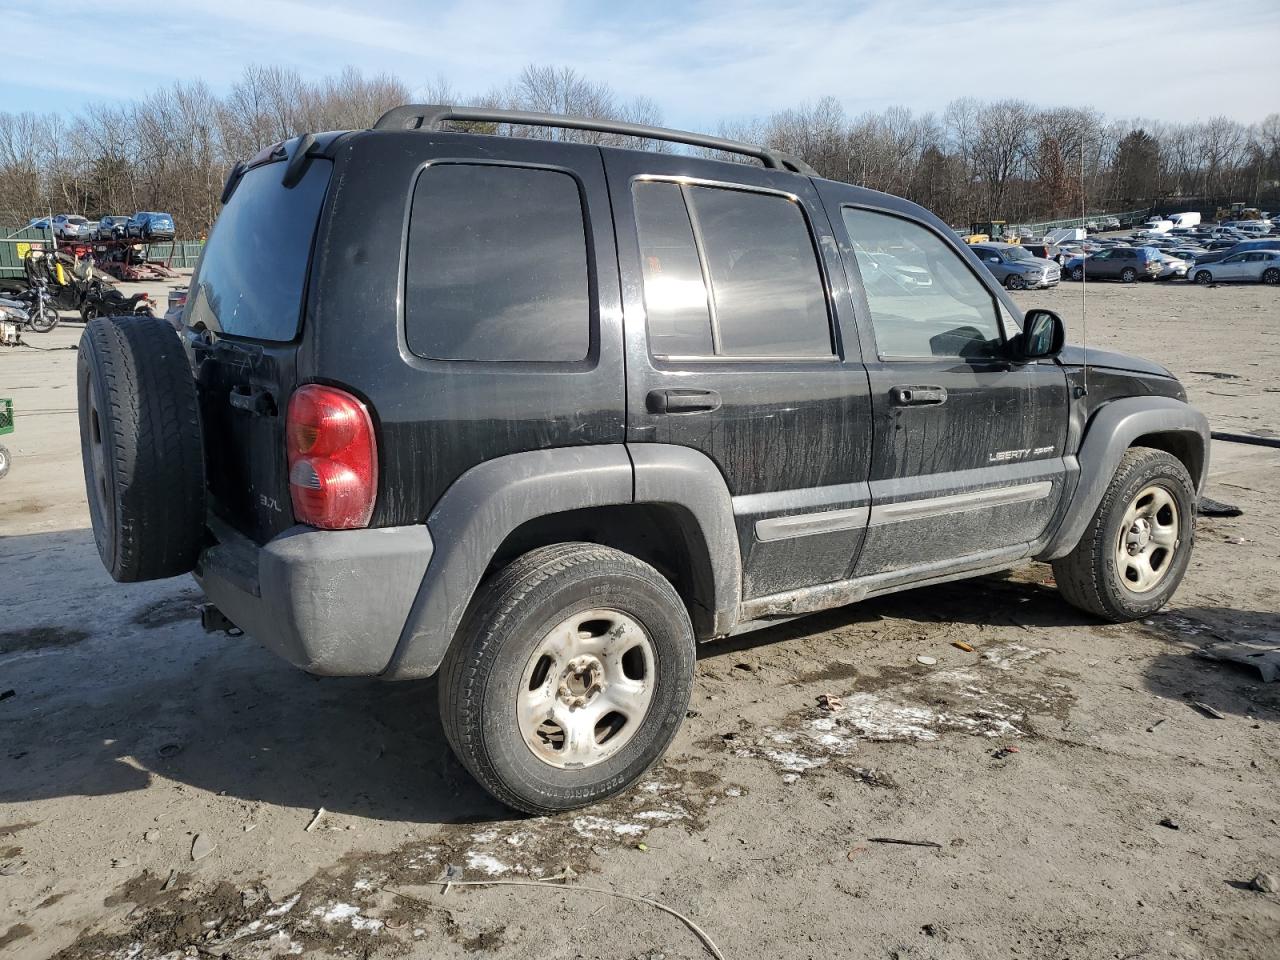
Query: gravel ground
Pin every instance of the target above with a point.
(157, 784)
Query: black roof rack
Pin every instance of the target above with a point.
(422, 116)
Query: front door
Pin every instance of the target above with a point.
(968, 463)
(735, 315)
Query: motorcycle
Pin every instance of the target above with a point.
(31, 308)
(100, 300)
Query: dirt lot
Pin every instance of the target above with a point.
(1075, 803)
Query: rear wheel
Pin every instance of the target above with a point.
(5, 460)
(141, 447)
(1271, 275)
(1135, 550)
(569, 677)
(1128, 275)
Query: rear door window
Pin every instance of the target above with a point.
(497, 265)
(729, 273)
(252, 276)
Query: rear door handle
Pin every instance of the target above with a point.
(683, 401)
(918, 396)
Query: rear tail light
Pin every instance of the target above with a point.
(333, 458)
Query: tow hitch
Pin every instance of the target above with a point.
(214, 620)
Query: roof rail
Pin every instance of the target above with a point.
(422, 116)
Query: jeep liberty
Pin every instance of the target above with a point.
(539, 416)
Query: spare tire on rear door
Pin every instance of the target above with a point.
(141, 446)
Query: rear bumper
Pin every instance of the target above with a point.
(332, 602)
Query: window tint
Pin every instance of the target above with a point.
(251, 277)
(675, 296)
(767, 295)
(497, 265)
(924, 300)
(768, 291)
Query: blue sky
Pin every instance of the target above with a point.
(702, 61)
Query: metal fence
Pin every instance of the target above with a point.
(15, 242)
(1127, 218)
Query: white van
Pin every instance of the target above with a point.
(1185, 219)
(1156, 226)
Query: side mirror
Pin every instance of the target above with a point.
(1043, 335)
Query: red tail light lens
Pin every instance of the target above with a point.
(333, 458)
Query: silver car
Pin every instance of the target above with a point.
(1015, 267)
(69, 226)
(1251, 266)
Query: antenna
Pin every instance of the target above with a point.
(1084, 273)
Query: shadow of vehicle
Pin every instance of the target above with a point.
(117, 686)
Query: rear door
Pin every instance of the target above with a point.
(968, 463)
(739, 344)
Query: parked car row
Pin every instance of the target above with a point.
(145, 225)
(1181, 247)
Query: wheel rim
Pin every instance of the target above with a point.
(586, 689)
(1271, 276)
(1203, 277)
(1077, 273)
(1015, 283)
(1128, 276)
(1148, 539)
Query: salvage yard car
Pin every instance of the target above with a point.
(539, 416)
(1252, 266)
(1118, 263)
(1016, 267)
(148, 225)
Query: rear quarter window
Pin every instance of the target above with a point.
(497, 265)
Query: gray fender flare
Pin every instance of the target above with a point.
(688, 481)
(1112, 431)
(483, 506)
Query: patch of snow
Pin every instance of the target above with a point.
(660, 815)
(1010, 655)
(590, 826)
(793, 761)
(349, 912)
(280, 909)
(486, 862)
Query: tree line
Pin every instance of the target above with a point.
(1005, 159)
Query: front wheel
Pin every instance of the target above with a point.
(569, 677)
(43, 318)
(1204, 277)
(1271, 276)
(1135, 550)
(1129, 275)
(1015, 282)
(1077, 273)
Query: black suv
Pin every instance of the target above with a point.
(538, 416)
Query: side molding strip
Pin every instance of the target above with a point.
(959, 502)
(808, 524)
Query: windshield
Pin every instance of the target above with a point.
(251, 278)
(1018, 253)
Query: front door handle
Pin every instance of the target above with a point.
(918, 396)
(683, 401)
